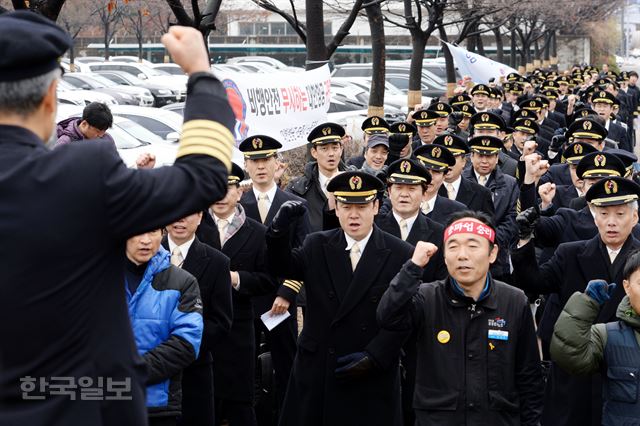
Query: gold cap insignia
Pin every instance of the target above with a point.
(610, 187)
(587, 125)
(527, 123)
(355, 183)
(532, 103)
(602, 95)
(436, 152)
(448, 140)
(257, 143)
(577, 149)
(326, 131)
(405, 167)
(485, 142)
(375, 121)
(424, 114)
(600, 160)
(402, 127)
(440, 107)
(484, 118)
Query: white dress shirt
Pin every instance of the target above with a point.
(184, 248)
(456, 186)
(410, 221)
(271, 193)
(362, 243)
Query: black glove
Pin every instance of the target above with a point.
(288, 212)
(354, 366)
(397, 141)
(455, 118)
(556, 142)
(527, 221)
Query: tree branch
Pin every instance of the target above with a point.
(343, 31)
(180, 13)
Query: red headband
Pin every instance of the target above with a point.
(470, 226)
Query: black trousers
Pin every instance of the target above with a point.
(197, 394)
(282, 342)
(236, 413)
(162, 421)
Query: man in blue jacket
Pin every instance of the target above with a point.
(166, 315)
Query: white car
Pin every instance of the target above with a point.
(273, 63)
(176, 83)
(134, 59)
(130, 138)
(392, 95)
(71, 95)
(169, 68)
(162, 122)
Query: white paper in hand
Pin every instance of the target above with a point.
(271, 321)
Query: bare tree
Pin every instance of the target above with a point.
(311, 32)
(202, 19)
(49, 8)
(74, 19)
(137, 19)
(109, 16)
(376, 93)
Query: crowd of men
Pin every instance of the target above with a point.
(451, 274)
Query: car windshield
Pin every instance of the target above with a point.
(105, 82)
(137, 131)
(64, 86)
(123, 139)
(95, 84)
(171, 70)
(152, 72)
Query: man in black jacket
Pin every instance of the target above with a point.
(437, 160)
(457, 187)
(73, 319)
(261, 203)
(226, 227)
(613, 202)
(209, 267)
(326, 149)
(346, 367)
(479, 332)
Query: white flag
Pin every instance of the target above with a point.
(479, 68)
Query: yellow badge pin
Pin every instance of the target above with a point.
(443, 336)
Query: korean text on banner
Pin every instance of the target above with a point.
(284, 105)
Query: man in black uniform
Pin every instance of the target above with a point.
(326, 149)
(226, 227)
(346, 367)
(61, 297)
(457, 187)
(209, 267)
(613, 202)
(478, 360)
(437, 159)
(261, 204)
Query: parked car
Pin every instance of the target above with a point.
(430, 85)
(69, 94)
(169, 68)
(177, 83)
(86, 82)
(272, 62)
(163, 123)
(130, 138)
(130, 59)
(161, 94)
